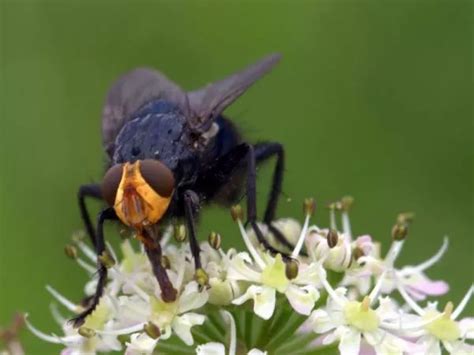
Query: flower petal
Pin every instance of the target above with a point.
(182, 326)
(264, 300)
(321, 322)
(140, 343)
(192, 298)
(302, 299)
(350, 341)
(211, 349)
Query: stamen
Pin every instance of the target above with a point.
(40, 334)
(435, 258)
(346, 224)
(332, 216)
(408, 299)
(329, 288)
(123, 331)
(86, 332)
(302, 237)
(376, 290)
(63, 300)
(70, 251)
(58, 317)
(463, 303)
(256, 256)
(89, 268)
(87, 251)
(152, 330)
(393, 252)
(233, 335)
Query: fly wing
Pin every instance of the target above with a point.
(130, 92)
(208, 102)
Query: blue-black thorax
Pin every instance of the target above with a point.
(159, 130)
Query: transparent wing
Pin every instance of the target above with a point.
(208, 102)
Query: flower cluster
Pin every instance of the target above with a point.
(332, 289)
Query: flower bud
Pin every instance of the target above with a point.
(291, 269)
(236, 213)
(70, 251)
(179, 232)
(165, 262)
(309, 206)
(332, 238)
(152, 330)
(106, 259)
(215, 240)
(86, 332)
(201, 277)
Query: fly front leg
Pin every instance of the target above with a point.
(154, 253)
(94, 191)
(103, 260)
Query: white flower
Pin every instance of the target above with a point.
(268, 275)
(348, 321)
(438, 328)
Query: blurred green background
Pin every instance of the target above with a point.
(372, 98)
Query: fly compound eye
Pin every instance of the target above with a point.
(111, 182)
(158, 176)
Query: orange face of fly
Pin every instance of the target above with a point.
(140, 192)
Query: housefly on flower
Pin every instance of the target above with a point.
(169, 153)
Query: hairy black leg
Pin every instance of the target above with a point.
(252, 200)
(107, 214)
(264, 151)
(154, 253)
(191, 204)
(91, 190)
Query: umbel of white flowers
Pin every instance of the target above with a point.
(331, 290)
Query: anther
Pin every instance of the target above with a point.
(332, 238)
(236, 213)
(357, 253)
(106, 259)
(152, 330)
(399, 231)
(291, 269)
(70, 251)
(215, 240)
(201, 277)
(309, 206)
(179, 232)
(346, 203)
(165, 262)
(86, 332)
(405, 218)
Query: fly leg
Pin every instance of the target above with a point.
(90, 190)
(153, 251)
(107, 214)
(252, 200)
(264, 151)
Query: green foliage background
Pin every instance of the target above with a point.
(373, 98)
